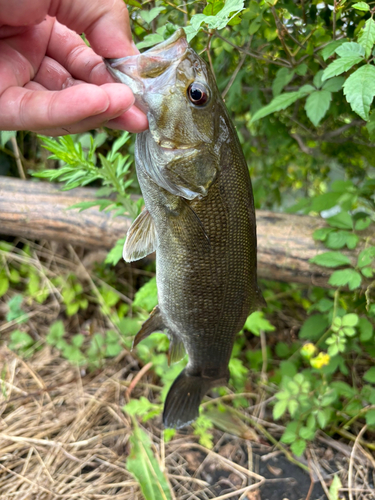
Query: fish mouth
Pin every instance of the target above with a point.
(152, 70)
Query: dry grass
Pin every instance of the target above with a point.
(63, 434)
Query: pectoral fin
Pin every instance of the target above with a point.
(153, 324)
(141, 238)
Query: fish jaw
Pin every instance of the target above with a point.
(152, 71)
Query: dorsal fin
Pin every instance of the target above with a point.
(141, 238)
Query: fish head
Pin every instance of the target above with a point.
(176, 90)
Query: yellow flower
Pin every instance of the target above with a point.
(308, 350)
(322, 359)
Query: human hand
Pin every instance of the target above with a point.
(50, 81)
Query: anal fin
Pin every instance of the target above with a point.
(141, 238)
(153, 324)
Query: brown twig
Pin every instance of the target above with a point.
(351, 460)
(236, 71)
(17, 157)
(136, 379)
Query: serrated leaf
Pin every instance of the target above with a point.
(317, 105)
(359, 90)
(145, 468)
(331, 48)
(330, 259)
(361, 6)
(256, 322)
(341, 220)
(340, 66)
(277, 104)
(348, 49)
(313, 327)
(346, 277)
(367, 36)
(334, 84)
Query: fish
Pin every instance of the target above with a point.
(199, 218)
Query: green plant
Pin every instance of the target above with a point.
(80, 168)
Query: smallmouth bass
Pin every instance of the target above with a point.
(199, 217)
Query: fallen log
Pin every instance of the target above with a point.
(38, 210)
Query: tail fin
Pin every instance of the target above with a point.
(184, 397)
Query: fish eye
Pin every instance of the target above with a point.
(198, 94)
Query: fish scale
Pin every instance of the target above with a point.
(199, 205)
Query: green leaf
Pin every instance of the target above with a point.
(5, 136)
(317, 105)
(149, 15)
(359, 90)
(145, 468)
(366, 330)
(369, 376)
(256, 322)
(350, 319)
(366, 256)
(367, 36)
(290, 433)
(349, 49)
(340, 66)
(150, 40)
(371, 127)
(361, 6)
(56, 333)
(278, 103)
(134, 3)
(323, 417)
(20, 340)
(280, 408)
(331, 48)
(322, 233)
(283, 77)
(147, 296)
(341, 220)
(307, 433)
(370, 417)
(338, 239)
(115, 255)
(298, 447)
(334, 84)
(330, 259)
(346, 277)
(4, 283)
(336, 483)
(313, 327)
